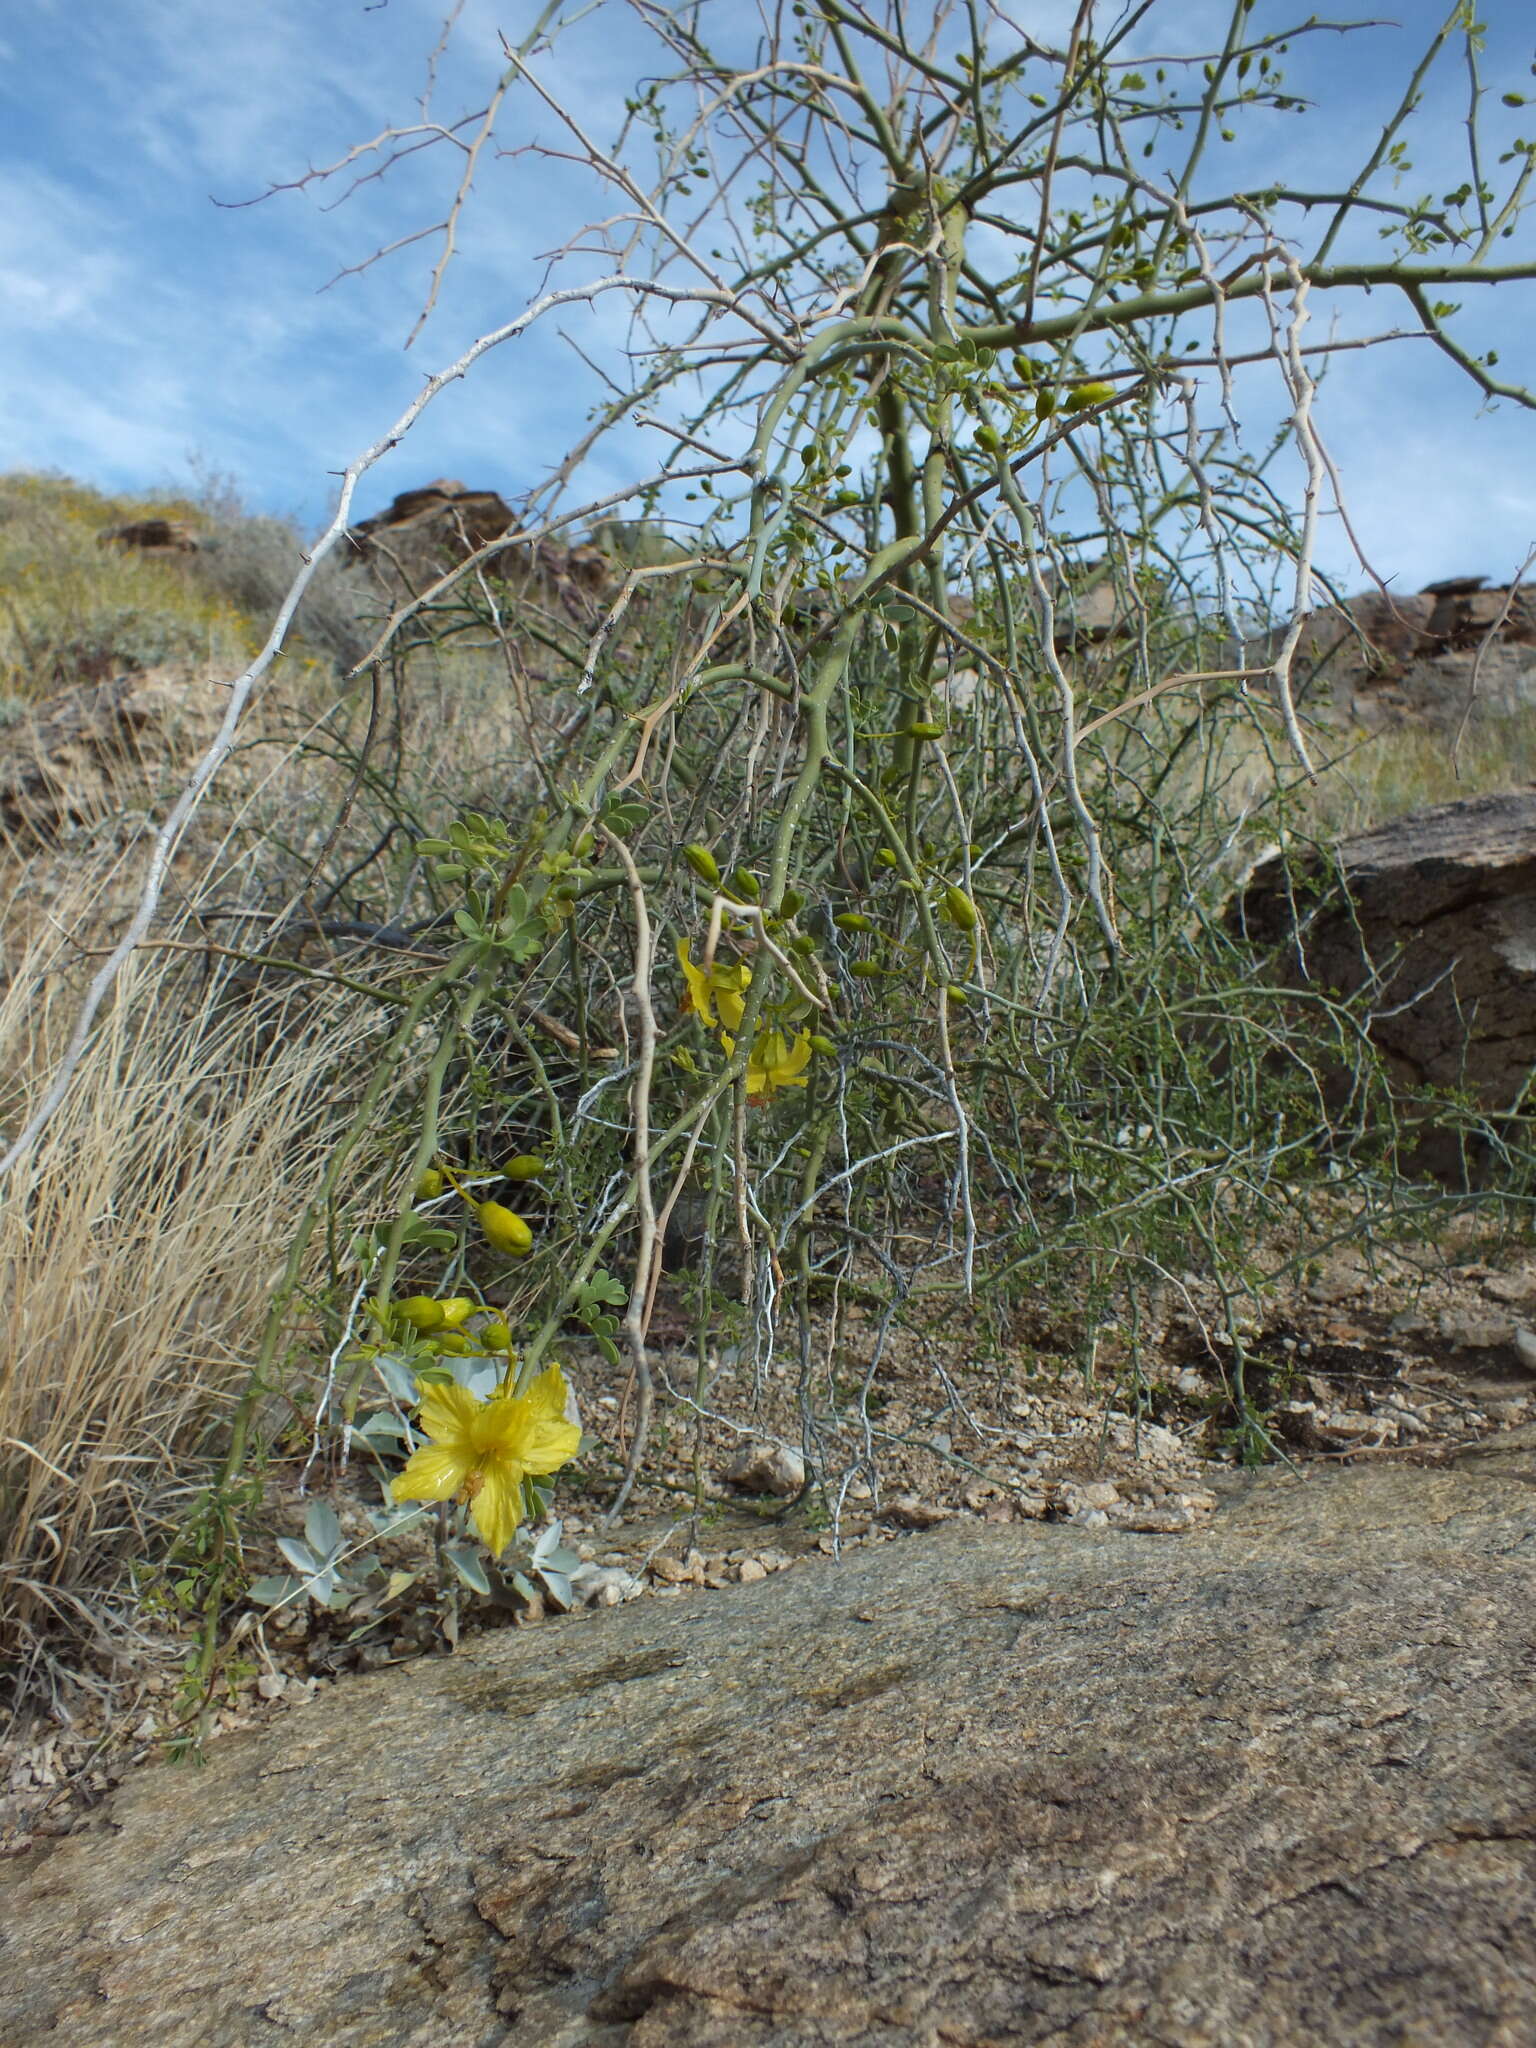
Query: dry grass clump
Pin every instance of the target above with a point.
(1389, 774)
(1365, 780)
(138, 1243)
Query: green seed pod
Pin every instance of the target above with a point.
(923, 729)
(853, 921)
(823, 1045)
(956, 993)
(802, 942)
(867, 970)
(960, 910)
(1085, 395)
(793, 903)
(704, 865)
(526, 1166)
(746, 884)
(885, 858)
(1045, 405)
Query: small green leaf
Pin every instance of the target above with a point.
(469, 1566)
(275, 1590)
(557, 1587)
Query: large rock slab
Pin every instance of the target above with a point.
(1439, 908)
(1271, 1783)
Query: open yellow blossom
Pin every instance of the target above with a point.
(481, 1451)
(724, 988)
(775, 1062)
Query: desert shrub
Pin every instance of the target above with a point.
(854, 878)
(250, 563)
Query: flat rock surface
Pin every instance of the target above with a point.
(1272, 1783)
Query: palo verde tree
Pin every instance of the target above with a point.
(863, 912)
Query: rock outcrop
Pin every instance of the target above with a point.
(1425, 659)
(427, 532)
(1440, 907)
(153, 537)
(1272, 1788)
(442, 522)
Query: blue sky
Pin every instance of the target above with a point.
(145, 327)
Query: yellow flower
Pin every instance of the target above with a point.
(775, 1062)
(723, 988)
(481, 1451)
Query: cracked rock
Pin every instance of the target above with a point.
(1001, 1782)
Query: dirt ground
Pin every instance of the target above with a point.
(1408, 1352)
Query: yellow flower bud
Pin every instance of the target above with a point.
(428, 1184)
(421, 1312)
(495, 1335)
(960, 910)
(853, 921)
(1084, 395)
(526, 1166)
(457, 1309)
(504, 1230)
(704, 864)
